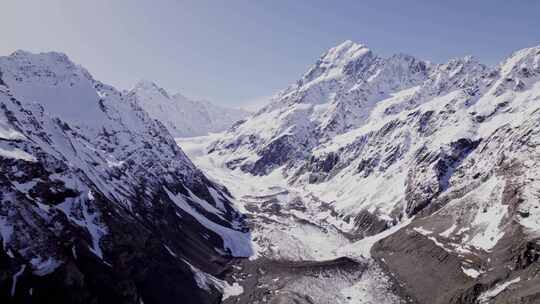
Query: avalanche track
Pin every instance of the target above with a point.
(301, 256)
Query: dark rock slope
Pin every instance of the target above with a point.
(480, 235)
(97, 202)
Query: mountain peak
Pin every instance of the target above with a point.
(20, 53)
(49, 67)
(347, 44)
(150, 86)
(83, 153)
(528, 58)
(346, 51)
(52, 57)
(332, 63)
(179, 96)
(182, 116)
(145, 84)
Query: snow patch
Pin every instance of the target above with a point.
(7, 132)
(42, 267)
(486, 296)
(471, 272)
(237, 242)
(14, 280)
(233, 290)
(362, 249)
(15, 153)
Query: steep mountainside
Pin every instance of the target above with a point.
(445, 156)
(184, 117)
(370, 180)
(97, 202)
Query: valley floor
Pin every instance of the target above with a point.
(301, 255)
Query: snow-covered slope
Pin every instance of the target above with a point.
(97, 202)
(370, 180)
(184, 117)
(358, 120)
(380, 141)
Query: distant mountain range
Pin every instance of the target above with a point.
(184, 117)
(375, 180)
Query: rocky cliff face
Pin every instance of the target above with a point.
(447, 151)
(97, 202)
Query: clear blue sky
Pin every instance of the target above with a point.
(235, 52)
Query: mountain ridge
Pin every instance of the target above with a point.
(182, 116)
(96, 196)
(442, 155)
(371, 179)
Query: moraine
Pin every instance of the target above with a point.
(301, 254)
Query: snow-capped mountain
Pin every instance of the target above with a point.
(431, 170)
(97, 202)
(370, 180)
(184, 117)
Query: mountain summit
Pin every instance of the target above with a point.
(431, 170)
(369, 180)
(181, 116)
(97, 202)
